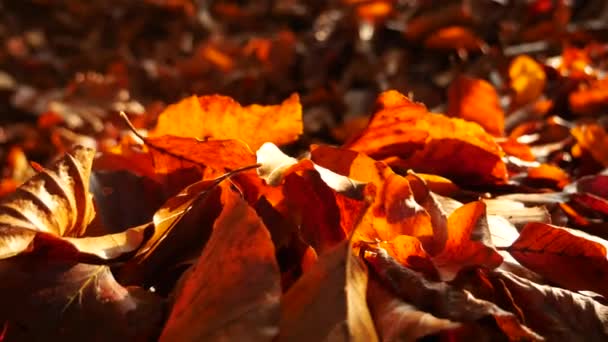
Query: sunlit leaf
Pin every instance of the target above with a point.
(570, 258)
(476, 100)
(527, 79)
(408, 136)
(220, 117)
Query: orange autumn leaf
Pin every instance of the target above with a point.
(514, 148)
(590, 98)
(220, 117)
(394, 212)
(171, 153)
(476, 100)
(467, 242)
(408, 136)
(527, 79)
(550, 172)
(594, 139)
(571, 258)
(454, 38)
(408, 251)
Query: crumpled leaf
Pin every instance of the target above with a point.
(273, 162)
(557, 314)
(233, 291)
(476, 100)
(220, 117)
(568, 257)
(468, 242)
(47, 298)
(56, 203)
(407, 136)
(328, 301)
(397, 320)
(441, 299)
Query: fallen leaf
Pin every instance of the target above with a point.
(407, 136)
(593, 138)
(592, 202)
(591, 98)
(397, 320)
(548, 172)
(56, 202)
(516, 212)
(476, 100)
(171, 153)
(328, 301)
(568, 257)
(45, 298)
(274, 163)
(557, 314)
(454, 38)
(527, 79)
(468, 242)
(220, 117)
(233, 290)
(441, 299)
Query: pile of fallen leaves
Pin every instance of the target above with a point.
(211, 220)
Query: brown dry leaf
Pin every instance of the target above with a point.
(590, 99)
(441, 299)
(408, 251)
(45, 297)
(220, 117)
(408, 136)
(169, 215)
(233, 291)
(56, 203)
(527, 78)
(397, 320)
(328, 301)
(557, 314)
(593, 138)
(468, 242)
(476, 100)
(568, 257)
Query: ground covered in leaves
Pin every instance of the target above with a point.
(281, 170)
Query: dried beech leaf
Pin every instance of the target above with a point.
(468, 242)
(454, 38)
(57, 202)
(595, 184)
(591, 98)
(169, 215)
(527, 78)
(220, 117)
(476, 100)
(568, 257)
(232, 293)
(441, 299)
(397, 320)
(593, 138)
(49, 299)
(557, 314)
(172, 153)
(408, 136)
(328, 301)
(325, 217)
(394, 212)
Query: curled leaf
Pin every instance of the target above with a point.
(407, 136)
